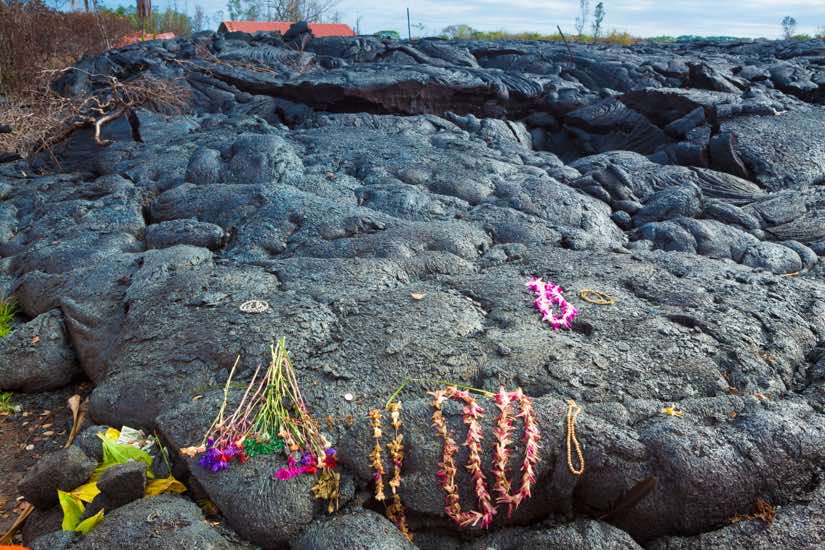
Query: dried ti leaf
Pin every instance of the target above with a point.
(164, 485)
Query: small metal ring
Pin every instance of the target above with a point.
(254, 306)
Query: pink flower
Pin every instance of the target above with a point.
(283, 474)
(548, 294)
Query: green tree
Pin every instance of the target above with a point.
(459, 32)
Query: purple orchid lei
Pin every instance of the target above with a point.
(547, 294)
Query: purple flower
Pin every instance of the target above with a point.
(308, 459)
(215, 458)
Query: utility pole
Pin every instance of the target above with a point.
(409, 29)
(358, 25)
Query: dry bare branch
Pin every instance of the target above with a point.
(40, 118)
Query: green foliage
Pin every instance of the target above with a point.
(169, 20)
(820, 33)
(119, 453)
(7, 310)
(465, 32)
(263, 446)
(389, 35)
(73, 510)
(459, 32)
(5, 402)
(802, 37)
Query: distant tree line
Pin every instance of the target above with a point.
(282, 10)
(466, 32)
(789, 30)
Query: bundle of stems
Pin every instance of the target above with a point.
(271, 416)
(283, 413)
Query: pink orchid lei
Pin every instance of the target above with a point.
(502, 486)
(549, 294)
(472, 413)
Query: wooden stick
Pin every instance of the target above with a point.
(18, 523)
(569, 51)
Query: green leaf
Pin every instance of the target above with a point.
(89, 523)
(119, 453)
(72, 510)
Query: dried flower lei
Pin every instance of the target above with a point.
(547, 294)
(502, 486)
(395, 510)
(472, 413)
(375, 455)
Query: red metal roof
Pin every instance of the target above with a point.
(138, 37)
(318, 29)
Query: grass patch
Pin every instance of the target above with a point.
(5, 402)
(7, 310)
(465, 32)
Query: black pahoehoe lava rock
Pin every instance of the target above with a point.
(685, 181)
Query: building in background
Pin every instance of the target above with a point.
(142, 37)
(318, 29)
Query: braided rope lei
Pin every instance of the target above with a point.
(549, 294)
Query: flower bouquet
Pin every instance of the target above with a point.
(272, 417)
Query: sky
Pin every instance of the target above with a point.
(745, 18)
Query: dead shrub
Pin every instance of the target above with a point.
(34, 37)
(42, 118)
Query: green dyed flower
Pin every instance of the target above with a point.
(263, 446)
